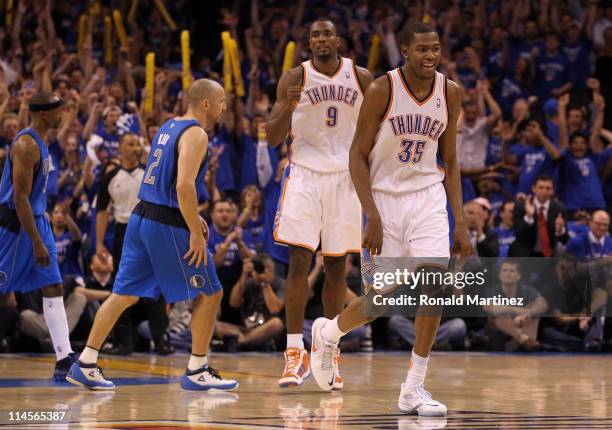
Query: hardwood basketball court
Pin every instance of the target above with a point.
(482, 391)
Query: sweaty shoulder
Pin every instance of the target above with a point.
(378, 97)
(364, 77)
(453, 97)
(26, 148)
(194, 134)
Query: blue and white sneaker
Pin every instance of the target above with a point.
(63, 366)
(88, 376)
(206, 378)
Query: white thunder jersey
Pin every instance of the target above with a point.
(404, 156)
(324, 122)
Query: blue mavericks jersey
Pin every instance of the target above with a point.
(159, 182)
(38, 195)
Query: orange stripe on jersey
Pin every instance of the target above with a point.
(303, 75)
(409, 91)
(301, 245)
(391, 91)
(357, 79)
(334, 74)
(342, 254)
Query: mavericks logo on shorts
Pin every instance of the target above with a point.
(3, 277)
(197, 281)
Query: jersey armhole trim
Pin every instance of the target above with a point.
(303, 75)
(390, 97)
(445, 92)
(357, 79)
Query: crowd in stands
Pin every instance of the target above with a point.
(534, 143)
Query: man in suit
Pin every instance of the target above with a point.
(484, 240)
(539, 222)
(595, 243)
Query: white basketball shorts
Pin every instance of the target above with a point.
(414, 224)
(318, 208)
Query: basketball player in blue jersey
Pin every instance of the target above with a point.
(165, 250)
(408, 118)
(28, 256)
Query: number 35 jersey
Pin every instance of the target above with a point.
(159, 181)
(405, 155)
(324, 122)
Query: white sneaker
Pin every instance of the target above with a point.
(297, 368)
(323, 357)
(204, 379)
(416, 400)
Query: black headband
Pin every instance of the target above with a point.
(53, 104)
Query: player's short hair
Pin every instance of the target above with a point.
(406, 36)
(325, 19)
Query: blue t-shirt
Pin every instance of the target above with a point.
(533, 163)
(232, 264)
(495, 148)
(578, 55)
(602, 161)
(510, 90)
(580, 183)
(505, 238)
(522, 48)
(551, 72)
(225, 173)
(248, 161)
(271, 195)
(67, 254)
(576, 229)
(256, 229)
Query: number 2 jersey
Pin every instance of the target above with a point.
(405, 155)
(159, 181)
(324, 122)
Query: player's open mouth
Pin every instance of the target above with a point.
(428, 66)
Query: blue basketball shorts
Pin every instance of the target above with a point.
(152, 263)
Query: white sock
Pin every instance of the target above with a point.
(417, 371)
(331, 332)
(55, 317)
(89, 356)
(295, 341)
(197, 361)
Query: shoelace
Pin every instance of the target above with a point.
(293, 360)
(213, 373)
(423, 392)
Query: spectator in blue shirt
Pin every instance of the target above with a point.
(515, 85)
(67, 240)
(577, 49)
(220, 145)
(251, 218)
(230, 245)
(597, 242)
(553, 74)
(534, 155)
(506, 234)
(580, 183)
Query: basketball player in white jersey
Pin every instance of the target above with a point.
(407, 118)
(318, 105)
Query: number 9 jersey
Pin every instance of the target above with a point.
(324, 122)
(159, 181)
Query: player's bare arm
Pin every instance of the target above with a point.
(375, 104)
(364, 77)
(102, 221)
(452, 178)
(25, 156)
(288, 93)
(192, 149)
